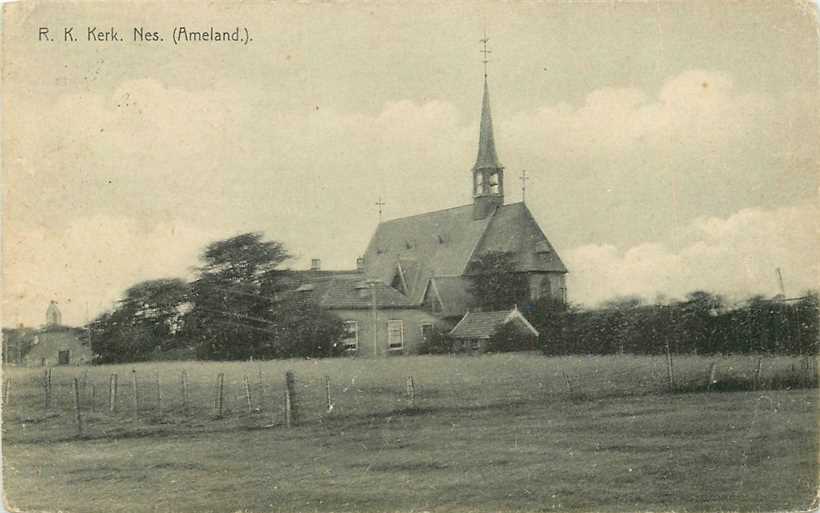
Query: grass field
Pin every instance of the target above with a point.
(503, 432)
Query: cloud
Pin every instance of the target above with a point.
(90, 263)
(122, 170)
(735, 256)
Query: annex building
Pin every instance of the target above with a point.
(415, 273)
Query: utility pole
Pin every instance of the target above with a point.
(780, 282)
(524, 178)
(372, 284)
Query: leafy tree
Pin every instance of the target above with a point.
(147, 319)
(495, 283)
(305, 330)
(233, 298)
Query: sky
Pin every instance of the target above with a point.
(670, 146)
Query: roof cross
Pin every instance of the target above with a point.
(380, 204)
(524, 179)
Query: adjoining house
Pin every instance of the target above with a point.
(416, 271)
(475, 329)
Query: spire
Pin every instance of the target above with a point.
(487, 157)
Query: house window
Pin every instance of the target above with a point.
(475, 344)
(395, 335)
(350, 341)
(427, 332)
(63, 358)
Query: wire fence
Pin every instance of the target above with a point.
(63, 403)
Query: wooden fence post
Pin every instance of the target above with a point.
(710, 377)
(670, 371)
(46, 391)
(6, 387)
(135, 396)
(77, 414)
(159, 394)
(261, 385)
(93, 397)
(411, 391)
(290, 399)
(328, 399)
(248, 397)
(757, 373)
(113, 390)
(184, 380)
(220, 384)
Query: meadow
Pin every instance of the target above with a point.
(517, 432)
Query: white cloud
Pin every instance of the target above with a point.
(735, 256)
(90, 264)
(97, 187)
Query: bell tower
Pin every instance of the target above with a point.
(488, 173)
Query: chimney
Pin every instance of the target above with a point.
(360, 264)
(315, 264)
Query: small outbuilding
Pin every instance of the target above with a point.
(474, 331)
(58, 345)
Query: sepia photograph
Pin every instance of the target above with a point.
(420, 257)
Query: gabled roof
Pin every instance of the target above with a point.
(442, 244)
(514, 230)
(453, 292)
(486, 324)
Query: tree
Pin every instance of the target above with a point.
(495, 283)
(305, 330)
(233, 298)
(147, 319)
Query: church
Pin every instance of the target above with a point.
(414, 276)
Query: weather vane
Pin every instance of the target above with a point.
(485, 51)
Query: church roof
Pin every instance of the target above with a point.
(487, 157)
(442, 244)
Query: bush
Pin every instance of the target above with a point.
(508, 339)
(439, 343)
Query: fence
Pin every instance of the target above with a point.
(67, 402)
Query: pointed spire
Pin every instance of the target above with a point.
(487, 157)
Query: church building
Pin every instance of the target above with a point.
(415, 273)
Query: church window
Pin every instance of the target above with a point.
(395, 335)
(350, 340)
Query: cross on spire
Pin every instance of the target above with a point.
(524, 178)
(485, 51)
(380, 204)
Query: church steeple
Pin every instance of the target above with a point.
(488, 173)
(487, 157)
